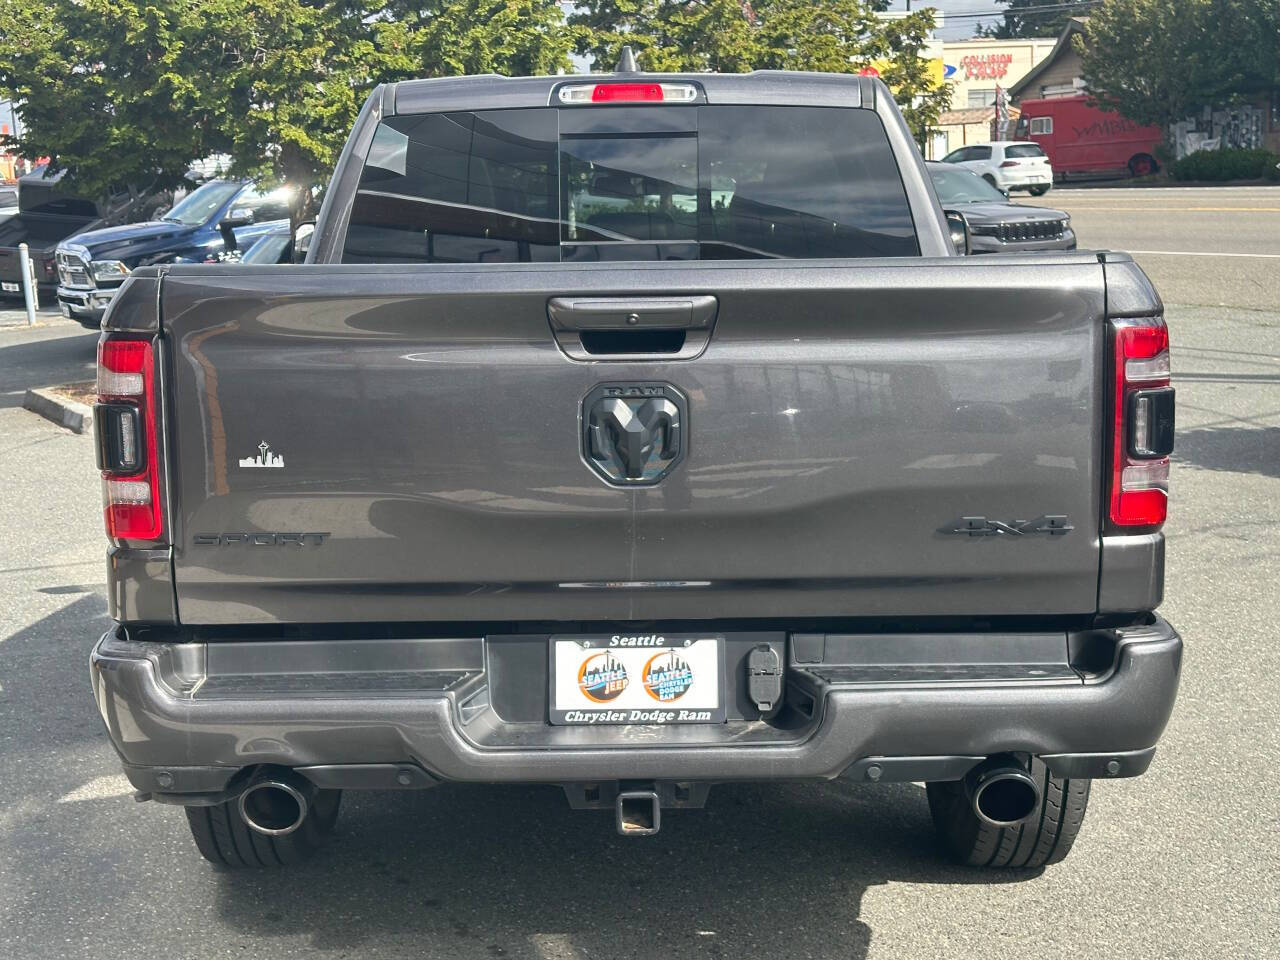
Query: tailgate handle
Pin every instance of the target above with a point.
(631, 328)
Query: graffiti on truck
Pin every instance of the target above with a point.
(1100, 129)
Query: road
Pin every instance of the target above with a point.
(1234, 231)
(1180, 863)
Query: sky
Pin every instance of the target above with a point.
(958, 29)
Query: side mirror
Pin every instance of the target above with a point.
(238, 217)
(302, 241)
(959, 229)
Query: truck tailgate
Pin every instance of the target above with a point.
(841, 424)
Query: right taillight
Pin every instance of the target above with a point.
(1142, 423)
(125, 429)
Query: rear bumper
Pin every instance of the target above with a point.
(1017, 180)
(181, 730)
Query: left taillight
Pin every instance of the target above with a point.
(1142, 423)
(125, 430)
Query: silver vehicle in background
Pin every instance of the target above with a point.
(997, 225)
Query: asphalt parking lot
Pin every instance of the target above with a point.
(1183, 862)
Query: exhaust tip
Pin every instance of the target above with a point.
(273, 808)
(1005, 797)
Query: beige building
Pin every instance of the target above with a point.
(974, 69)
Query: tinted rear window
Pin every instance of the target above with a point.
(629, 183)
(1023, 150)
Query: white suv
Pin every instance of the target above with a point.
(1007, 165)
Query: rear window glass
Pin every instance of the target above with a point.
(629, 183)
(1023, 150)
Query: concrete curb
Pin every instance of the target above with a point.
(65, 412)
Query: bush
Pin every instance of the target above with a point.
(1227, 165)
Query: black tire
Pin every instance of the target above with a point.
(226, 840)
(1040, 191)
(1142, 165)
(1044, 838)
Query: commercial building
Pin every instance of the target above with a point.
(975, 69)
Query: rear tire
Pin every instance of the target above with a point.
(1044, 838)
(1143, 165)
(223, 837)
(1040, 191)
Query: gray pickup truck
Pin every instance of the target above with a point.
(635, 433)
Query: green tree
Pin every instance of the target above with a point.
(517, 38)
(736, 36)
(291, 77)
(1158, 61)
(132, 91)
(295, 72)
(110, 90)
(1022, 19)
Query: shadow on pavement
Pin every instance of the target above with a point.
(42, 363)
(476, 871)
(1238, 449)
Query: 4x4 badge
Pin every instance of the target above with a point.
(1054, 526)
(634, 434)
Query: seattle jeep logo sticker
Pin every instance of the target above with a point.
(602, 677)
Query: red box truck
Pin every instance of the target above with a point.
(1079, 138)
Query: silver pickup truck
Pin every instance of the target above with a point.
(635, 433)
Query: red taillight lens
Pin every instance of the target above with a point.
(1142, 423)
(633, 92)
(125, 425)
(624, 92)
(1009, 163)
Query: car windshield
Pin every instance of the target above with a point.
(198, 207)
(960, 186)
(1023, 150)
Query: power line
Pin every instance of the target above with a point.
(1025, 12)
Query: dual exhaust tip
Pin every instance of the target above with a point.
(1002, 792)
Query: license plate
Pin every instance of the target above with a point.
(10, 287)
(637, 679)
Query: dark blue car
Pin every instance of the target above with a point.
(216, 219)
